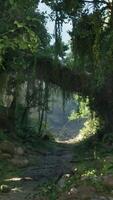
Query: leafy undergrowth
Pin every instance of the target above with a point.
(32, 150)
(93, 162)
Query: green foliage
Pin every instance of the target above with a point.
(91, 124)
(23, 31)
(49, 191)
(88, 172)
(90, 128)
(24, 39)
(83, 109)
(25, 128)
(108, 138)
(3, 136)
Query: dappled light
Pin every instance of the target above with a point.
(56, 100)
(16, 190)
(14, 179)
(18, 179)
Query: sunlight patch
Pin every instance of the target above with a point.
(14, 179)
(19, 179)
(16, 189)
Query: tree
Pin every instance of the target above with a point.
(23, 38)
(24, 41)
(92, 39)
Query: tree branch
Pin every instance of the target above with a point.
(103, 2)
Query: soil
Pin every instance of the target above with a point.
(45, 167)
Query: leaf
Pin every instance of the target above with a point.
(19, 25)
(11, 2)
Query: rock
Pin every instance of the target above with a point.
(80, 193)
(102, 198)
(108, 181)
(5, 156)
(19, 151)
(109, 159)
(72, 193)
(65, 196)
(5, 188)
(19, 161)
(62, 181)
(7, 147)
(73, 190)
(85, 192)
(40, 198)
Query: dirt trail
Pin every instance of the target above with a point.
(47, 167)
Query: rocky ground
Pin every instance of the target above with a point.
(53, 173)
(33, 168)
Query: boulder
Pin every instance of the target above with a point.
(85, 192)
(5, 188)
(5, 156)
(65, 196)
(62, 181)
(80, 193)
(73, 193)
(19, 151)
(110, 198)
(7, 147)
(108, 181)
(102, 198)
(109, 159)
(19, 161)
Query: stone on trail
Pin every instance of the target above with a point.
(108, 181)
(7, 147)
(102, 198)
(5, 156)
(62, 181)
(5, 188)
(80, 193)
(19, 151)
(19, 161)
(85, 192)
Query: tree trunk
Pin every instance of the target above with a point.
(111, 18)
(103, 105)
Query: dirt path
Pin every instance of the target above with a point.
(48, 167)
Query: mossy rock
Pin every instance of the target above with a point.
(5, 189)
(7, 147)
(19, 161)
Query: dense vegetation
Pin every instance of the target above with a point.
(25, 47)
(31, 69)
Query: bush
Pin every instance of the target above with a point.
(90, 128)
(3, 136)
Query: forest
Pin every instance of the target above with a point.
(56, 100)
